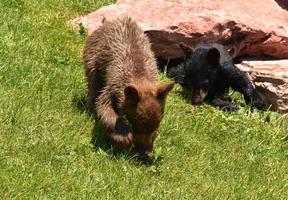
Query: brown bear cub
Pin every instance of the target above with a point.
(123, 87)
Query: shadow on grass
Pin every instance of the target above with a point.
(100, 140)
(80, 103)
(187, 97)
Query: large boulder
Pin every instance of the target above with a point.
(255, 28)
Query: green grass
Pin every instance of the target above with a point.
(47, 150)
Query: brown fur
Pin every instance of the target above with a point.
(122, 83)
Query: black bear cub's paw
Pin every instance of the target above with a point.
(258, 100)
(224, 105)
(230, 108)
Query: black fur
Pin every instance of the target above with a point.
(210, 70)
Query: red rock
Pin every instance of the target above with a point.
(254, 27)
(271, 78)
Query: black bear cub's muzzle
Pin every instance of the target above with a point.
(198, 96)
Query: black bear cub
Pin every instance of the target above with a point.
(208, 72)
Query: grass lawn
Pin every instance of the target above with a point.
(50, 148)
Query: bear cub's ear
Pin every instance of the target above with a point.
(131, 95)
(188, 51)
(213, 57)
(164, 89)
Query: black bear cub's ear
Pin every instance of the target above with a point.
(213, 57)
(186, 50)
